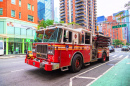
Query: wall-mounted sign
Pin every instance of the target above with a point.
(12, 24)
(27, 40)
(119, 26)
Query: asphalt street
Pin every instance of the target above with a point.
(14, 72)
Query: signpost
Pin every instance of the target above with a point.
(119, 26)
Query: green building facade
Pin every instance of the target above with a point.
(18, 36)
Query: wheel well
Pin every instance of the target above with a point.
(79, 54)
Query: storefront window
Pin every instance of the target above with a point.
(1, 11)
(17, 31)
(1, 27)
(15, 45)
(10, 30)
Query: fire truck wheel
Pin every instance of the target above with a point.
(76, 63)
(103, 57)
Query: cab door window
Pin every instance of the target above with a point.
(81, 38)
(87, 38)
(67, 36)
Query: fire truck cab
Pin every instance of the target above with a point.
(67, 47)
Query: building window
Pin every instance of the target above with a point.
(1, 11)
(30, 18)
(12, 13)
(29, 6)
(32, 8)
(12, 1)
(20, 3)
(19, 15)
(1, 0)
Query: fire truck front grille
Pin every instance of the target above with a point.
(42, 49)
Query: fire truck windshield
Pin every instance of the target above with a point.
(52, 35)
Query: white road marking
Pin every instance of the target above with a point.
(85, 77)
(17, 70)
(127, 56)
(114, 56)
(127, 63)
(70, 84)
(120, 56)
(105, 72)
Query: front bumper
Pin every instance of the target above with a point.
(44, 64)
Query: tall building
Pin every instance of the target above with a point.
(124, 31)
(82, 12)
(45, 9)
(56, 14)
(100, 20)
(116, 26)
(18, 22)
(107, 29)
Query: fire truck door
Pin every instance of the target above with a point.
(87, 50)
(66, 52)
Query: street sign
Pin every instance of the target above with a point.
(27, 40)
(119, 26)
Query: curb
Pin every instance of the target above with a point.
(13, 56)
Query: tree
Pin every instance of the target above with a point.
(45, 23)
(127, 43)
(73, 23)
(118, 42)
(62, 22)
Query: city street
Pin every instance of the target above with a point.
(14, 72)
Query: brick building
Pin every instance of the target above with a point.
(82, 12)
(18, 22)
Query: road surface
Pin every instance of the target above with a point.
(14, 72)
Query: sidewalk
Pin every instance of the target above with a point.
(11, 56)
(119, 75)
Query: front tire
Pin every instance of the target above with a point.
(76, 64)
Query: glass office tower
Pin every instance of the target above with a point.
(46, 9)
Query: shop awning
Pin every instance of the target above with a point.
(4, 36)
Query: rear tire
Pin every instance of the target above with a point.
(76, 64)
(103, 57)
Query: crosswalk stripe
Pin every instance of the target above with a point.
(114, 56)
(120, 56)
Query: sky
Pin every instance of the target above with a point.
(106, 7)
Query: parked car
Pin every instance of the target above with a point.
(111, 49)
(125, 48)
(129, 47)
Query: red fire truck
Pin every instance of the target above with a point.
(67, 47)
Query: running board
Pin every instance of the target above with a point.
(86, 64)
(94, 60)
(64, 69)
